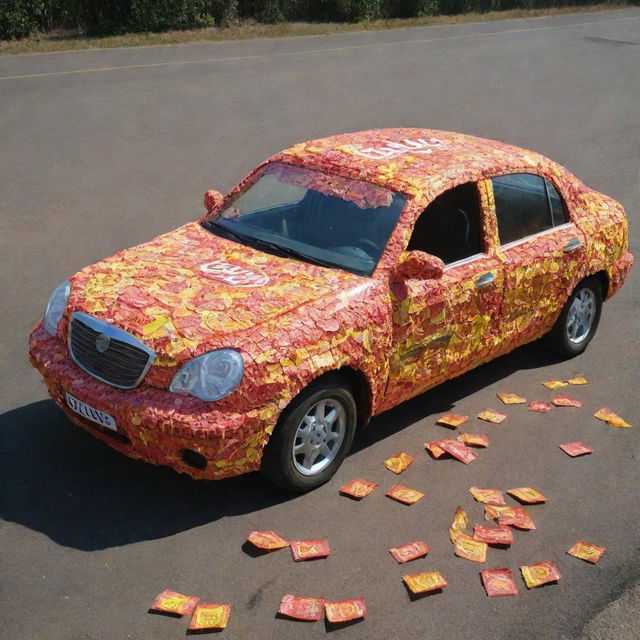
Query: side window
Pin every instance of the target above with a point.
(558, 209)
(450, 227)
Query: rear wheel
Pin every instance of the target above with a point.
(312, 437)
(578, 321)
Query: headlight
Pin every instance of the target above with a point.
(55, 307)
(211, 376)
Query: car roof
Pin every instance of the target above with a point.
(414, 160)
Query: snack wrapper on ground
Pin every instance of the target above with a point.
(520, 519)
(174, 603)
(535, 575)
(474, 439)
(398, 462)
(469, 549)
(358, 488)
(575, 449)
(511, 398)
(459, 524)
(611, 418)
(527, 495)
(586, 551)
(499, 582)
(539, 407)
(566, 401)
(434, 449)
(555, 384)
(458, 450)
(409, 551)
(489, 415)
(452, 420)
(345, 610)
(309, 549)
(404, 494)
(210, 616)
(501, 535)
(424, 582)
(268, 540)
(493, 512)
(579, 380)
(487, 496)
(302, 607)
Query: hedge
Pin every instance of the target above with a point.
(20, 18)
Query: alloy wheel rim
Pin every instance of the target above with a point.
(581, 316)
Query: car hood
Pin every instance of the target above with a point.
(185, 292)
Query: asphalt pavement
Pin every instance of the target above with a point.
(101, 150)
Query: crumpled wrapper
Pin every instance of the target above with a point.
(539, 407)
(210, 616)
(470, 549)
(398, 462)
(586, 551)
(345, 610)
(489, 415)
(535, 575)
(459, 524)
(566, 401)
(452, 420)
(458, 450)
(501, 536)
(499, 582)
(575, 449)
(520, 519)
(404, 494)
(268, 540)
(309, 549)
(611, 418)
(358, 488)
(409, 551)
(174, 603)
(434, 449)
(487, 496)
(511, 398)
(555, 384)
(474, 439)
(301, 607)
(579, 381)
(527, 495)
(424, 582)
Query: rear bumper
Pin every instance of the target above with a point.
(618, 273)
(154, 425)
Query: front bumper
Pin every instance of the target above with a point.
(154, 425)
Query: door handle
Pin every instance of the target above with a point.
(572, 245)
(485, 279)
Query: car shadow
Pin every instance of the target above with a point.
(62, 482)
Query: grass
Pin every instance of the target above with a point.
(74, 41)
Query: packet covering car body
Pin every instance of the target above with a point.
(340, 278)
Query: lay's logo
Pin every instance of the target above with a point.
(233, 274)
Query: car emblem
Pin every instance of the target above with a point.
(102, 342)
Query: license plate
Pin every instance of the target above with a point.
(87, 411)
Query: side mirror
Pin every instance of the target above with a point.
(418, 265)
(212, 199)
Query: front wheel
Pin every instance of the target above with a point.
(577, 323)
(312, 437)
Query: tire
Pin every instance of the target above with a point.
(577, 323)
(301, 426)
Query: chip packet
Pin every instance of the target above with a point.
(409, 551)
(511, 398)
(474, 439)
(424, 582)
(539, 407)
(210, 616)
(459, 524)
(434, 449)
(345, 610)
(174, 603)
(309, 549)
(487, 496)
(575, 449)
(301, 607)
(398, 462)
(566, 401)
(555, 384)
(358, 488)
(458, 450)
(493, 512)
(578, 380)
(535, 575)
(466, 547)
(611, 418)
(586, 551)
(499, 582)
(452, 420)
(404, 494)
(489, 415)
(520, 519)
(267, 540)
(527, 495)
(501, 535)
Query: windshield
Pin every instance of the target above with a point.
(313, 216)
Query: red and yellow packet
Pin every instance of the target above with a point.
(487, 496)
(511, 398)
(489, 415)
(470, 549)
(499, 582)
(404, 494)
(302, 607)
(210, 616)
(309, 549)
(578, 380)
(398, 462)
(586, 551)
(474, 439)
(611, 418)
(566, 401)
(535, 575)
(575, 449)
(451, 420)
(539, 407)
(358, 488)
(520, 519)
(409, 551)
(458, 450)
(267, 540)
(493, 512)
(423, 582)
(174, 603)
(345, 610)
(501, 536)
(555, 384)
(527, 495)
(434, 449)
(459, 524)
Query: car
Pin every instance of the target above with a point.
(340, 278)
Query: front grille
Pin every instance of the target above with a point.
(108, 353)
